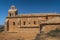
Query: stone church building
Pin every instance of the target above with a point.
(27, 26)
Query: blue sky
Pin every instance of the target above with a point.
(28, 6)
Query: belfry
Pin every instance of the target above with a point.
(12, 11)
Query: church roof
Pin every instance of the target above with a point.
(53, 20)
(38, 14)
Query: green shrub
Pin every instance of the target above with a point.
(54, 33)
(1, 30)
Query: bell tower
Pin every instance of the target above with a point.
(12, 11)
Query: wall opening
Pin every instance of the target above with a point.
(10, 14)
(13, 23)
(24, 23)
(8, 25)
(34, 22)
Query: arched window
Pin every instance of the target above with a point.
(34, 22)
(13, 23)
(16, 13)
(24, 23)
(9, 14)
(46, 17)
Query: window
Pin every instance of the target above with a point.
(10, 14)
(16, 13)
(34, 22)
(13, 23)
(46, 17)
(24, 23)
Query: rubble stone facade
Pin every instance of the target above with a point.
(24, 26)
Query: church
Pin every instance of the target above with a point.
(27, 26)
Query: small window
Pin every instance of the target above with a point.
(34, 22)
(46, 17)
(24, 23)
(13, 23)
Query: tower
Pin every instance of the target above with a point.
(12, 11)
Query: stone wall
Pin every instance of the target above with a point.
(48, 28)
